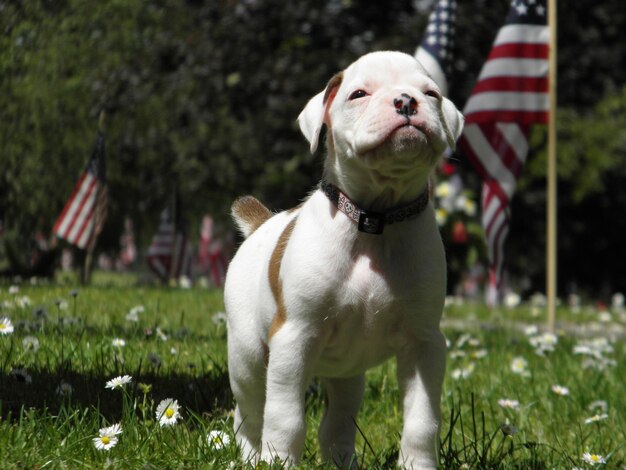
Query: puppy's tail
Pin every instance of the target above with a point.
(249, 214)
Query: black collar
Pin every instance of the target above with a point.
(369, 221)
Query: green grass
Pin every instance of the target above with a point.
(177, 350)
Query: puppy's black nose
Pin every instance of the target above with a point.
(405, 105)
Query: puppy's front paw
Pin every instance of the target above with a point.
(417, 462)
(283, 458)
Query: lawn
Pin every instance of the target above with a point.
(514, 397)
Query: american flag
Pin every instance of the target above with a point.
(212, 257)
(435, 51)
(84, 214)
(169, 254)
(510, 95)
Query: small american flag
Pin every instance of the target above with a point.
(169, 254)
(84, 214)
(510, 95)
(435, 51)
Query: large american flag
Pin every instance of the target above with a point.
(169, 254)
(84, 214)
(435, 50)
(510, 95)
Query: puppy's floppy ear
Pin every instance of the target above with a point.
(452, 120)
(314, 114)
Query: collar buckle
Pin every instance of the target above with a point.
(371, 222)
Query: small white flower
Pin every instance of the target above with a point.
(167, 412)
(23, 301)
(596, 418)
(30, 343)
(479, 354)
(6, 327)
(219, 318)
(21, 375)
(463, 373)
(162, 336)
(560, 390)
(184, 282)
(519, 366)
(132, 316)
(119, 382)
(173, 351)
(512, 300)
(531, 330)
(442, 190)
(107, 437)
(605, 317)
(118, 343)
(508, 403)
(64, 389)
(599, 404)
(14, 290)
(218, 439)
(544, 343)
(617, 301)
(538, 300)
(593, 459)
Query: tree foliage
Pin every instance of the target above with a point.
(203, 96)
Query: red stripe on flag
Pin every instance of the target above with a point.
(512, 84)
(80, 208)
(68, 204)
(508, 115)
(519, 50)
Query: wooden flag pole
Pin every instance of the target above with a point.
(551, 177)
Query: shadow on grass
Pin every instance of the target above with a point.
(48, 391)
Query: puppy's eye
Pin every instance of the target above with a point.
(357, 94)
(433, 94)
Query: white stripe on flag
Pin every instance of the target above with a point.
(510, 101)
(84, 214)
(513, 134)
(87, 185)
(530, 68)
(523, 33)
(490, 158)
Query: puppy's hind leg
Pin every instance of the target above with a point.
(246, 364)
(338, 429)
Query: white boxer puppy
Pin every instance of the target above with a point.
(353, 276)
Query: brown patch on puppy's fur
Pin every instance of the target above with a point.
(332, 86)
(249, 214)
(274, 276)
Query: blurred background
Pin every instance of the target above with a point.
(200, 100)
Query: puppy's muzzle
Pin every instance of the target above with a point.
(405, 105)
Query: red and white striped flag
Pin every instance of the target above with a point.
(510, 95)
(84, 214)
(169, 254)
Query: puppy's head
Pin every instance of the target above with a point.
(384, 114)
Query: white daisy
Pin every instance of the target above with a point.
(508, 403)
(107, 437)
(218, 439)
(560, 390)
(593, 459)
(30, 343)
(119, 382)
(21, 375)
(118, 343)
(167, 412)
(14, 290)
(519, 366)
(64, 389)
(596, 418)
(6, 327)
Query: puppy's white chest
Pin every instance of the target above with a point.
(364, 327)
